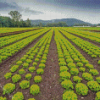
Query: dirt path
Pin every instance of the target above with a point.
(50, 87)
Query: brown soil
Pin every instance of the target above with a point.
(50, 87)
(93, 61)
(16, 32)
(92, 30)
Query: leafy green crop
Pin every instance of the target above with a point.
(94, 86)
(18, 96)
(37, 79)
(8, 88)
(24, 84)
(74, 71)
(41, 65)
(19, 63)
(69, 95)
(8, 75)
(34, 89)
(77, 79)
(3, 98)
(81, 89)
(31, 99)
(82, 69)
(97, 96)
(14, 68)
(87, 76)
(94, 72)
(16, 78)
(25, 65)
(28, 76)
(21, 71)
(40, 71)
(65, 75)
(67, 84)
(98, 79)
(31, 69)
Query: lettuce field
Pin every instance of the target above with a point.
(58, 63)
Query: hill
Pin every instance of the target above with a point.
(68, 21)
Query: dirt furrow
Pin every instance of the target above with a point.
(50, 86)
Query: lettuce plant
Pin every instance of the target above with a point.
(19, 63)
(94, 72)
(99, 62)
(34, 89)
(97, 96)
(14, 68)
(3, 98)
(77, 79)
(36, 59)
(8, 75)
(67, 84)
(25, 65)
(87, 76)
(37, 79)
(65, 75)
(71, 65)
(31, 69)
(82, 69)
(89, 66)
(28, 76)
(21, 71)
(98, 79)
(8, 88)
(41, 65)
(69, 60)
(16, 78)
(40, 71)
(18, 96)
(79, 64)
(34, 64)
(28, 61)
(85, 61)
(69, 95)
(23, 59)
(74, 71)
(63, 68)
(24, 84)
(81, 89)
(62, 63)
(94, 86)
(43, 61)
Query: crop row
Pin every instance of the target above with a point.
(74, 69)
(36, 54)
(13, 38)
(12, 49)
(89, 48)
(6, 30)
(89, 35)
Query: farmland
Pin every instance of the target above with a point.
(50, 63)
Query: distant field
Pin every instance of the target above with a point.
(50, 63)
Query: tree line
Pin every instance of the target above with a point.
(14, 21)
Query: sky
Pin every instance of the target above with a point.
(86, 10)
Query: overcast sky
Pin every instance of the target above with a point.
(86, 10)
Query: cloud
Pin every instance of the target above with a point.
(7, 6)
(29, 11)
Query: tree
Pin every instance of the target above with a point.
(28, 22)
(16, 17)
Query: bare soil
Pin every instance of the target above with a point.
(50, 87)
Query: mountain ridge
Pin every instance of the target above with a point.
(68, 21)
